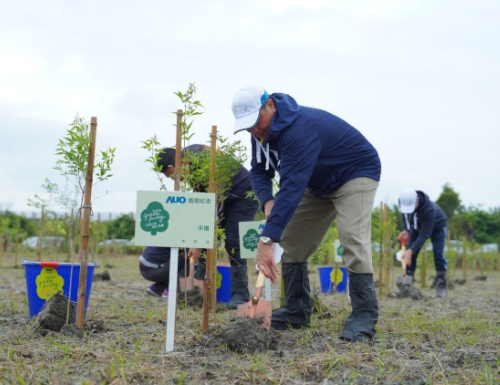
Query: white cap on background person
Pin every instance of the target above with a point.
(246, 107)
(407, 201)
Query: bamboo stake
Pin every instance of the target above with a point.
(40, 236)
(87, 207)
(474, 260)
(424, 267)
(387, 252)
(464, 259)
(448, 250)
(174, 251)
(381, 257)
(209, 299)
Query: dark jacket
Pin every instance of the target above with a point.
(159, 255)
(425, 219)
(240, 183)
(309, 148)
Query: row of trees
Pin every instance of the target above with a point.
(472, 223)
(15, 229)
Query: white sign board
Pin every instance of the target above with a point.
(175, 219)
(249, 237)
(337, 251)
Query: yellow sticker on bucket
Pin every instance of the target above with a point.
(218, 280)
(48, 283)
(336, 276)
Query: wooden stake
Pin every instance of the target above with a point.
(174, 251)
(387, 253)
(474, 260)
(40, 235)
(335, 266)
(381, 255)
(464, 259)
(424, 266)
(87, 207)
(209, 290)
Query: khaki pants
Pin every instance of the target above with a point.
(352, 206)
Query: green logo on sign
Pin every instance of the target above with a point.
(340, 249)
(251, 240)
(154, 219)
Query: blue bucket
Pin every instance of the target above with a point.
(223, 284)
(327, 276)
(44, 279)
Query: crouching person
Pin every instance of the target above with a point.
(154, 265)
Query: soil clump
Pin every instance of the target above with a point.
(104, 276)
(53, 314)
(72, 330)
(245, 335)
(407, 291)
(194, 298)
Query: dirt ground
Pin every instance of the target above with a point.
(427, 341)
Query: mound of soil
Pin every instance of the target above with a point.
(72, 330)
(194, 298)
(407, 291)
(53, 314)
(481, 278)
(245, 335)
(104, 276)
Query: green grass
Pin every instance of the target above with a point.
(439, 342)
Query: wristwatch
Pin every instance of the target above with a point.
(267, 241)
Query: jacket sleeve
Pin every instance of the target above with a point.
(261, 179)
(425, 229)
(299, 151)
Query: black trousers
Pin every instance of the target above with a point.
(160, 276)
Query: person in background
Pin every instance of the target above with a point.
(423, 219)
(328, 170)
(154, 265)
(236, 208)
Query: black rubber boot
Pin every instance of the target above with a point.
(360, 325)
(239, 286)
(297, 310)
(441, 287)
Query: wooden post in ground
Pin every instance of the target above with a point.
(474, 260)
(210, 272)
(40, 236)
(481, 263)
(387, 253)
(464, 259)
(424, 266)
(381, 255)
(87, 207)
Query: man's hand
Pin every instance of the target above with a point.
(403, 236)
(194, 254)
(407, 256)
(268, 206)
(265, 261)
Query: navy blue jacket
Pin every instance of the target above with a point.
(309, 148)
(240, 183)
(425, 219)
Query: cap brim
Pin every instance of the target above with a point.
(407, 209)
(246, 122)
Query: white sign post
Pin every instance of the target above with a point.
(249, 239)
(174, 219)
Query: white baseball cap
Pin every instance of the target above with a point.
(246, 107)
(407, 201)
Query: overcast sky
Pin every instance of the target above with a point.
(420, 79)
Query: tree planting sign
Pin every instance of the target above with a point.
(337, 251)
(249, 237)
(175, 219)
